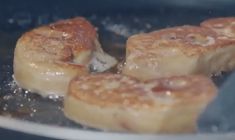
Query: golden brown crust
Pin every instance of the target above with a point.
(48, 57)
(181, 50)
(224, 27)
(191, 40)
(115, 89)
(61, 40)
(121, 103)
(107, 90)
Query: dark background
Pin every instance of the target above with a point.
(29, 11)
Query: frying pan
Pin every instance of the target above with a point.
(116, 21)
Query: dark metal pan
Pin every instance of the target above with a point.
(116, 21)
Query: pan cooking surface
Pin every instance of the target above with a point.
(113, 32)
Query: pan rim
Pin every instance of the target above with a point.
(52, 131)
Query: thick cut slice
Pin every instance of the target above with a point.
(224, 27)
(48, 57)
(120, 103)
(180, 50)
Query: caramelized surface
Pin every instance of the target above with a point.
(191, 40)
(225, 27)
(121, 103)
(176, 51)
(119, 90)
(48, 57)
(62, 40)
